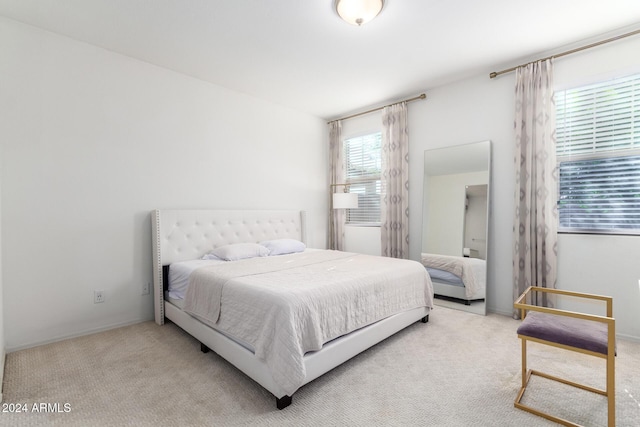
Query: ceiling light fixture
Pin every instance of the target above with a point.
(358, 12)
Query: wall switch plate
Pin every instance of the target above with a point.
(146, 288)
(98, 297)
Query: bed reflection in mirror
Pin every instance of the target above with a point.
(455, 223)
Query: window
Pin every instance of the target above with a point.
(363, 164)
(598, 149)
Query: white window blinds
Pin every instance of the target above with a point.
(600, 194)
(363, 164)
(598, 148)
(599, 117)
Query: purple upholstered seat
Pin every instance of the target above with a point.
(580, 333)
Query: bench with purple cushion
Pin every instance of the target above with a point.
(569, 330)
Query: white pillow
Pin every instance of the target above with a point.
(211, 257)
(239, 251)
(283, 246)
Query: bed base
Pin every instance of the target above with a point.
(455, 292)
(317, 363)
(466, 302)
(281, 402)
(284, 401)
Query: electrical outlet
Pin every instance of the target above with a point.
(146, 288)
(98, 296)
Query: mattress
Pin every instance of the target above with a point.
(444, 276)
(179, 273)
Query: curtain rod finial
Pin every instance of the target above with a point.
(493, 75)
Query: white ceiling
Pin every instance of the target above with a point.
(299, 54)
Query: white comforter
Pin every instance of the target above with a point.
(285, 306)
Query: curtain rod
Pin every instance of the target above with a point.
(557, 55)
(421, 96)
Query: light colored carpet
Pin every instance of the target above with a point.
(459, 369)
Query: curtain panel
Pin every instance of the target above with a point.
(536, 178)
(337, 174)
(394, 209)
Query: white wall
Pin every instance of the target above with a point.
(362, 240)
(444, 211)
(93, 141)
(2, 343)
(479, 109)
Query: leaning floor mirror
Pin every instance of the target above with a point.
(455, 224)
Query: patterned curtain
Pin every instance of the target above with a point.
(336, 165)
(536, 213)
(395, 182)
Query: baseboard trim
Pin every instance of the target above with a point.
(495, 310)
(77, 334)
(628, 337)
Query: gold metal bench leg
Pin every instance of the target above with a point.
(609, 392)
(611, 389)
(524, 362)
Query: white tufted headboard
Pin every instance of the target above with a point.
(180, 235)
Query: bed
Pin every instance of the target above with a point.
(183, 237)
(461, 278)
